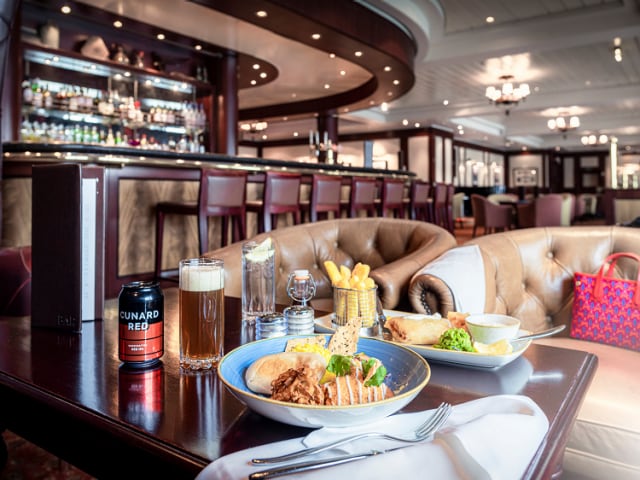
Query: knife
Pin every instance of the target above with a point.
(317, 464)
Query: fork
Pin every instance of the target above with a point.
(433, 423)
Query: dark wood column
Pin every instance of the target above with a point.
(227, 106)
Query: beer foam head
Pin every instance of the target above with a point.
(201, 278)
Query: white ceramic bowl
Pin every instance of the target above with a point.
(491, 327)
(408, 372)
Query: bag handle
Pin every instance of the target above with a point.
(611, 260)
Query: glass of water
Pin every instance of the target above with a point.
(258, 280)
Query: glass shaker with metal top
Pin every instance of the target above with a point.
(301, 287)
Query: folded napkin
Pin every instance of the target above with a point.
(489, 438)
(462, 269)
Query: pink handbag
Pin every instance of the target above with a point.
(606, 309)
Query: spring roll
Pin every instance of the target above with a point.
(417, 329)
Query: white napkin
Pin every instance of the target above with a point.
(462, 269)
(489, 438)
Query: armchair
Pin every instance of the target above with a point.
(490, 216)
(394, 249)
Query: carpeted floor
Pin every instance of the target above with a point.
(29, 462)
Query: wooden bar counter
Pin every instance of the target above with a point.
(135, 181)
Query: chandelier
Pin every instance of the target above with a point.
(507, 94)
(594, 140)
(561, 124)
(255, 127)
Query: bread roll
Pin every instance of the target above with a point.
(266, 369)
(417, 330)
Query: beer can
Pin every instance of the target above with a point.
(140, 323)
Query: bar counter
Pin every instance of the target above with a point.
(135, 181)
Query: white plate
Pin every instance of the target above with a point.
(466, 359)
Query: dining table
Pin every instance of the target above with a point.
(70, 394)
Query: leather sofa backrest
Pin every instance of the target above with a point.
(394, 249)
(529, 272)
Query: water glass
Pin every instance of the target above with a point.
(201, 298)
(258, 280)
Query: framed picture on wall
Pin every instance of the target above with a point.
(525, 177)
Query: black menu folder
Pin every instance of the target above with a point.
(67, 245)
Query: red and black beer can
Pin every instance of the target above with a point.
(141, 324)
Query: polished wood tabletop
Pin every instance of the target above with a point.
(70, 394)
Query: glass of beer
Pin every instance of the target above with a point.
(201, 291)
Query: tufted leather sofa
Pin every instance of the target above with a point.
(394, 249)
(528, 273)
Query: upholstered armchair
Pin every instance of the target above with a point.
(394, 249)
(490, 216)
(544, 211)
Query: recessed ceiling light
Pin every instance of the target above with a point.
(387, 68)
(117, 24)
(389, 94)
(417, 124)
(117, 76)
(384, 106)
(256, 66)
(295, 134)
(160, 36)
(405, 122)
(445, 102)
(490, 19)
(127, 74)
(332, 55)
(66, 9)
(263, 75)
(343, 73)
(261, 13)
(461, 131)
(253, 82)
(264, 136)
(358, 53)
(316, 36)
(198, 47)
(294, 95)
(396, 82)
(327, 86)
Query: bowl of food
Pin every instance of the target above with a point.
(309, 386)
(488, 328)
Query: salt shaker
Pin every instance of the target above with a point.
(301, 287)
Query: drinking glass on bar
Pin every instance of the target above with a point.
(201, 298)
(258, 280)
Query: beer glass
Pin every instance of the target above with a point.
(258, 280)
(201, 298)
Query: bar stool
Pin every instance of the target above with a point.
(325, 196)
(440, 205)
(420, 201)
(392, 197)
(281, 195)
(364, 192)
(222, 193)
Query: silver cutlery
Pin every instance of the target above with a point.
(317, 464)
(544, 333)
(434, 422)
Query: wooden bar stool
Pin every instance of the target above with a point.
(420, 202)
(325, 196)
(222, 193)
(281, 195)
(364, 192)
(392, 197)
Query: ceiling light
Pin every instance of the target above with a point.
(384, 106)
(563, 124)
(198, 47)
(387, 68)
(332, 55)
(490, 19)
(316, 36)
(327, 86)
(405, 122)
(254, 127)
(160, 36)
(617, 49)
(507, 94)
(261, 14)
(66, 9)
(396, 82)
(343, 73)
(256, 66)
(263, 75)
(253, 82)
(358, 53)
(445, 102)
(117, 24)
(417, 124)
(594, 140)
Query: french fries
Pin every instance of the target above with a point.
(354, 293)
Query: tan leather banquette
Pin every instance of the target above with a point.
(394, 249)
(528, 274)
